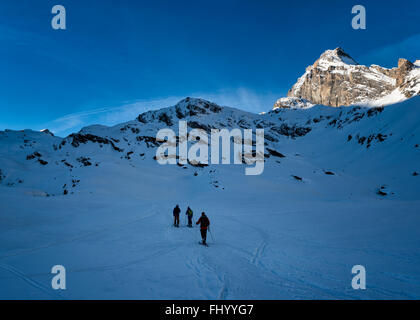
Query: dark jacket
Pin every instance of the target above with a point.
(177, 210)
(204, 222)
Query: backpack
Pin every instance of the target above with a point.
(205, 222)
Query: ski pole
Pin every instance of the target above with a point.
(199, 233)
(211, 234)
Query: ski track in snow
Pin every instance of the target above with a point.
(205, 274)
(33, 283)
(75, 238)
(259, 251)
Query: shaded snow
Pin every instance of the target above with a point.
(274, 236)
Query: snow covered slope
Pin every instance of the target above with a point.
(340, 188)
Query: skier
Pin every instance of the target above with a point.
(177, 210)
(204, 225)
(189, 213)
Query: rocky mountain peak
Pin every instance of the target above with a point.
(334, 57)
(336, 79)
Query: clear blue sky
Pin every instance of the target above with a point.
(129, 53)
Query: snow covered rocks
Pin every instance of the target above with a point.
(292, 103)
(198, 152)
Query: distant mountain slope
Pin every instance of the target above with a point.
(50, 165)
(336, 79)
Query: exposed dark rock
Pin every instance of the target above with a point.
(78, 138)
(179, 113)
(381, 191)
(150, 141)
(33, 156)
(127, 156)
(275, 153)
(163, 117)
(141, 118)
(85, 161)
(333, 122)
(374, 111)
(293, 131)
(297, 178)
(67, 164)
(244, 124)
(378, 137)
(268, 137)
(262, 124)
(197, 125)
(43, 162)
(361, 140)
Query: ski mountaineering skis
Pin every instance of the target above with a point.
(203, 244)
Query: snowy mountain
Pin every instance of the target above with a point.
(59, 161)
(336, 79)
(340, 188)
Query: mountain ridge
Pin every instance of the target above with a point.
(61, 161)
(64, 160)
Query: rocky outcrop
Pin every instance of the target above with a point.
(76, 139)
(336, 79)
(187, 107)
(292, 103)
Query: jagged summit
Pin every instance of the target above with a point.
(189, 101)
(336, 79)
(188, 107)
(336, 57)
